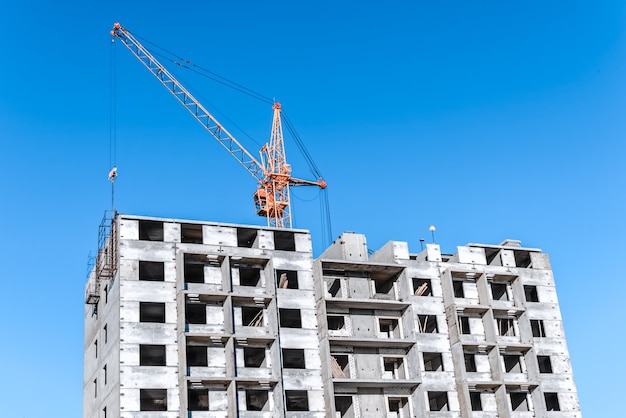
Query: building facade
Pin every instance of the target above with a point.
(200, 319)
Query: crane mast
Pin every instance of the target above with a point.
(272, 173)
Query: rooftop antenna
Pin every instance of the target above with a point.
(432, 230)
(422, 243)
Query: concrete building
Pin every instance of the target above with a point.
(200, 319)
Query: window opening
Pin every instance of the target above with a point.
(254, 356)
(153, 399)
(297, 400)
(552, 401)
(95, 348)
(249, 276)
(422, 287)
(545, 365)
(197, 356)
(344, 406)
(252, 316)
(464, 325)
(195, 313)
(393, 368)
(384, 289)
(398, 407)
(438, 401)
(104, 373)
(151, 355)
(246, 237)
(336, 322)
(519, 401)
(499, 291)
(287, 279)
(152, 271)
(95, 388)
(512, 363)
(389, 328)
(531, 294)
(475, 401)
(198, 399)
(470, 362)
(457, 285)
(257, 400)
(538, 328)
(506, 327)
(433, 362)
(290, 318)
(191, 233)
(150, 230)
(293, 358)
(284, 240)
(427, 323)
(151, 312)
(340, 366)
(334, 287)
(105, 331)
(194, 268)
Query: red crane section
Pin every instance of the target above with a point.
(273, 173)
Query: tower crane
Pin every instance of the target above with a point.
(272, 172)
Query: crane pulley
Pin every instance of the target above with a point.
(273, 174)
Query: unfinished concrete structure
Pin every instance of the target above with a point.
(199, 319)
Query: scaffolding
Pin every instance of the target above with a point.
(105, 263)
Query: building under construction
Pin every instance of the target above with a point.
(202, 319)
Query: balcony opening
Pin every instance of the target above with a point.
(152, 271)
(545, 365)
(153, 399)
(150, 230)
(251, 316)
(194, 268)
(250, 276)
(257, 400)
(293, 358)
(290, 318)
(287, 279)
(531, 294)
(422, 287)
(198, 399)
(195, 313)
(254, 357)
(197, 356)
(433, 362)
(246, 237)
(191, 233)
(284, 240)
(427, 324)
(297, 400)
(389, 328)
(438, 401)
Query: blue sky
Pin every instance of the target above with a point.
(490, 119)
